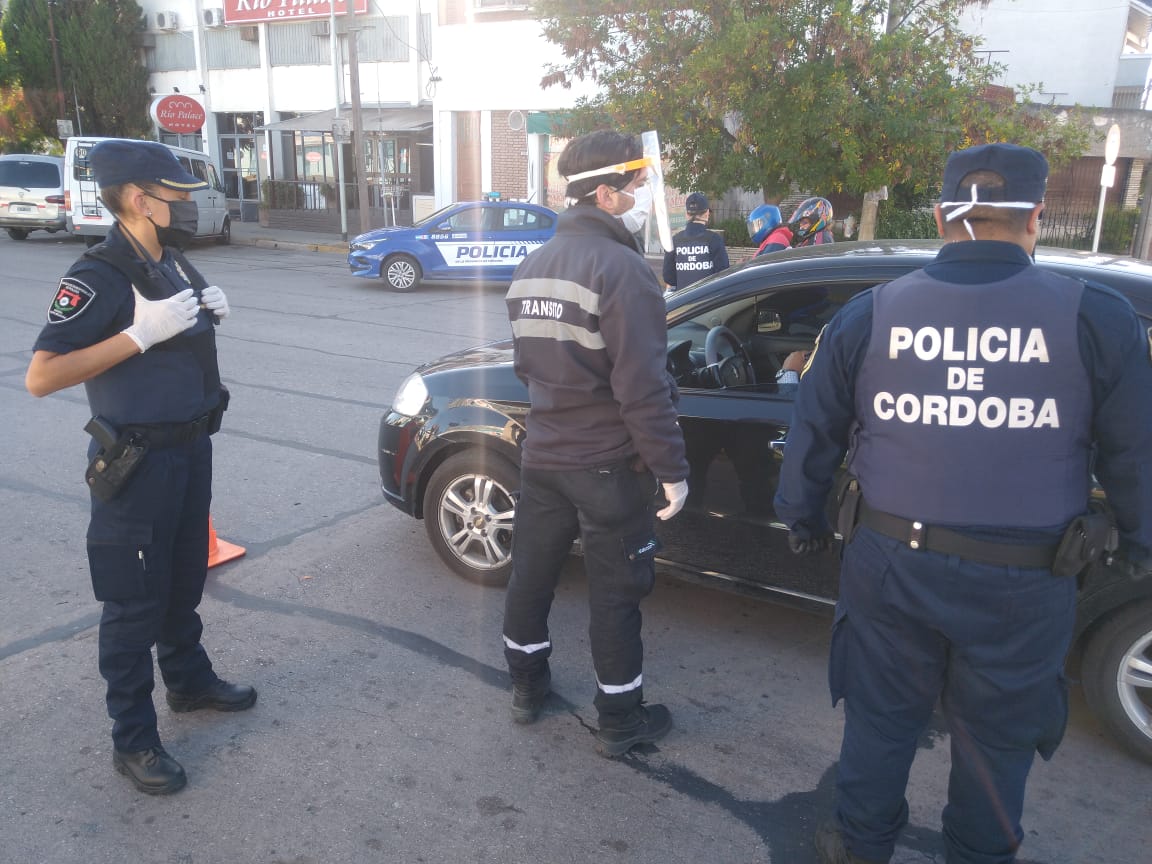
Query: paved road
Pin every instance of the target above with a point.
(381, 733)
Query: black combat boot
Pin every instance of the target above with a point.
(218, 696)
(830, 846)
(642, 725)
(152, 771)
(529, 696)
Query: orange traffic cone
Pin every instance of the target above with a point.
(220, 551)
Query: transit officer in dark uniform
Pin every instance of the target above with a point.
(696, 251)
(135, 323)
(601, 437)
(971, 394)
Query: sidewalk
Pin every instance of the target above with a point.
(254, 234)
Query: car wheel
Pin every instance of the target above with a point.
(17, 233)
(469, 508)
(401, 272)
(1117, 674)
(224, 238)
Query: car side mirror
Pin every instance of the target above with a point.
(768, 321)
(444, 226)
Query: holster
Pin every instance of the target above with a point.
(218, 412)
(848, 514)
(119, 456)
(1088, 538)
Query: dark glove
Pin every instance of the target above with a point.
(802, 541)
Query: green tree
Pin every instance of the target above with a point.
(100, 60)
(826, 95)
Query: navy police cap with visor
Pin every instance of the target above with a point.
(1023, 170)
(116, 161)
(695, 203)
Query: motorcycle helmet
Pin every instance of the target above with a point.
(818, 212)
(762, 220)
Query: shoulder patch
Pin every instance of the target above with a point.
(72, 298)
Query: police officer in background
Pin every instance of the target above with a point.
(972, 393)
(602, 436)
(135, 323)
(696, 251)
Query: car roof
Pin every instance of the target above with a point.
(31, 157)
(505, 203)
(882, 260)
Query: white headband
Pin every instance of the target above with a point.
(963, 207)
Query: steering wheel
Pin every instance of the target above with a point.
(724, 352)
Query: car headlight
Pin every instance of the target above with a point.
(411, 396)
(361, 245)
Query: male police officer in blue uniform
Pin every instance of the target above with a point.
(696, 251)
(972, 393)
(134, 322)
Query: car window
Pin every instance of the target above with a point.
(471, 219)
(186, 163)
(29, 175)
(213, 178)
(200, 170)
(521, 219)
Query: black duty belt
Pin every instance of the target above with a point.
(171, 434)
(933, 538)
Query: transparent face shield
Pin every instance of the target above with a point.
(655, 182)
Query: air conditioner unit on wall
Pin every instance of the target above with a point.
(167, 21)
(321, 28)
(214, 17)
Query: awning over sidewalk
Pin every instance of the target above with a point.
(373, 118)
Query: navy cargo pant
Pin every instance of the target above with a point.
(989, 643)
(610, 508)
(148, 556)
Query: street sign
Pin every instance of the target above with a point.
(1112, 145)
(1107, 177)
(342, 128)
(64, 129)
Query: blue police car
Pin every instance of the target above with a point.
(475, 240)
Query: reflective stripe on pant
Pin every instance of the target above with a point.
(989, 643)
(610, 509)
(148, 556)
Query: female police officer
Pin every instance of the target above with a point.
(133, 321)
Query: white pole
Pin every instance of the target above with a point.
(1099, 218)
(336, 144)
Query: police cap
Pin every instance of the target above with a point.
(695, 203)
(116, 161)
(1024, 172)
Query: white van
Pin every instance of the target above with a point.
(88, 217)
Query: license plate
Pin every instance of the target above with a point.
(21, 208)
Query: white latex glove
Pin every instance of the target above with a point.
(677, 494)
(158, 320)
(215, 302)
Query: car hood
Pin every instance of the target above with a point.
(377, 234)
(483, 372)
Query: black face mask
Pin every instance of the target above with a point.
(183, 217)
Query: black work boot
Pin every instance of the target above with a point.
(830, 846)
(529, 696)
(642, 725)
(219, 696)
(152, 771)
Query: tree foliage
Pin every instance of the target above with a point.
(100, 62)
(826, 95)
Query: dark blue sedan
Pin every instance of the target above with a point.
(475, 240)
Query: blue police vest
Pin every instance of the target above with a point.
(175, 381)
(694, 256)
(973, 404)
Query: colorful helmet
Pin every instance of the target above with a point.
(819, 213)
(762, 220)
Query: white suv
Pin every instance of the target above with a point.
(31, 194)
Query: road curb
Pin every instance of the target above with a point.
(293, 246)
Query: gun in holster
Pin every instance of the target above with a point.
(848, 514)
(119, 456)
(1090, 537)
(218, 412)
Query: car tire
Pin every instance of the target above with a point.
(1117, 673)
(18, 233)
(469, 507)
(401, 272)
(224, 238)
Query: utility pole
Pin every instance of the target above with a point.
(358, 128)
(338, 125)
(56, 59)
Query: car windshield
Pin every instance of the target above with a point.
(434, 218)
